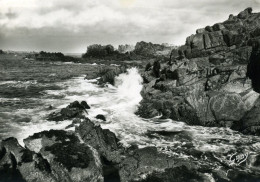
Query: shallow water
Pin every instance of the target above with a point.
(25, 106)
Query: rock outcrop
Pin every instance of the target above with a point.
(68, 158)
(94, 154)
(73, 110)
(205, 82)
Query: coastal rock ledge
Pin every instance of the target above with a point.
(212, 80)
(91, 153)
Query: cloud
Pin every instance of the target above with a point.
(69, 26)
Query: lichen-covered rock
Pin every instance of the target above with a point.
(69, 158)
(227, 107)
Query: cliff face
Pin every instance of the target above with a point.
(206, 83)
(235, 34)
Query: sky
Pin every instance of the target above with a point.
(69, 26)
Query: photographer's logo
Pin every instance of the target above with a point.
(237, 159)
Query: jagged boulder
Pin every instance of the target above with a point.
(73, 110)
(101, 117)
(107, 75)
(69, 158)
(244, 14)
(103, 140)
(20, 164)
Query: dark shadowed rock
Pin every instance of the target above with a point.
(85, 105)
(107, 75)
(244, 14)
(73, 110)
(253, 68)
(101, 117)
(103, 140)
(69, 158)
(20, 164)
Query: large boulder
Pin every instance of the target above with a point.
(73, 110)
(69, 158)
(227, 107)
(244, 14)
(103, 140)
(213, 39)
(250, 123)
(107, 75)
(20, 164)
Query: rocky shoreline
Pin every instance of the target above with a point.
(90, 153)
(206, 81)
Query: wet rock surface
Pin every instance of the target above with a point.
(103, 140)
(73, 110)
(68, 157)
(212, 81)
(94, 154)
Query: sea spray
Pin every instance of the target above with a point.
(129, 86)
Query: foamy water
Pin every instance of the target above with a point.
(118, 104)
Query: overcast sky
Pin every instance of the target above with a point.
(70, 26)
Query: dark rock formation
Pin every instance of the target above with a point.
(52, 56)
(148, 164)
(104, 141)
(20, 164)
(94, 154)
(74, 109)
(101, 117)
(99, 51)
(253, 68)
(68, 157)
(206, 82)
(107, 75)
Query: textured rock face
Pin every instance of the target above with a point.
(108, 75)
(148, 164)
(104, 141)
(250, 123)
(74, 109)
(69, 158)
(236, 31)
(19, 164)
(227, 107)
(208, 85)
